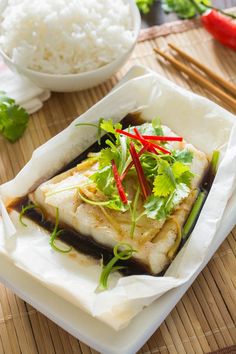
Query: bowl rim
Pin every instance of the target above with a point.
(135, 14)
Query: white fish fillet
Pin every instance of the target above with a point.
(154, 240)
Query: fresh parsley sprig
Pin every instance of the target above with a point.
(13, 118)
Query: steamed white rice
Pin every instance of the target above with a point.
(65, 36)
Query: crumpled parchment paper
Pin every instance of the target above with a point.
(75, 278)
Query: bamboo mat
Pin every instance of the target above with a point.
(204, 320)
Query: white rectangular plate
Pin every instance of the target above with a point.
(91, 331)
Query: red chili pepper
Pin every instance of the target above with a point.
(141, 176)
(132, 163)
(142, 140)
(162, 138)
(149, 146)
(119, 186)
(221, 27)
(218, 23)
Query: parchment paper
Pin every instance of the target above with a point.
(74, 277)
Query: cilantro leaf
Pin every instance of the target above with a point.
(116, 204)
(182, 173)
(186, 178)
(13, 118)
(163, 186)
(181, 192)
(178, 168)
(154, 208)
(104, 180)
(109, 126)
(185, 156)
(164, 183)
(105, 157)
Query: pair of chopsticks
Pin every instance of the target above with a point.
(202, 79)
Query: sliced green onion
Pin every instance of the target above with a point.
(133, 213)
(86, 124)
(55, 234)
(215, 161)
(119, 254)
(89, 201)
(194, 214)
(24, 209)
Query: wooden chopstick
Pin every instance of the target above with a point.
(227, 85)
(199, 79)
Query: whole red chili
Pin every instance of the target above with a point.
(219, 23)
(221, 27)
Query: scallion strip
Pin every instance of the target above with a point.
(194, 214)
(24, 209)
(124, 254)
(89, 201)
(215, 161)
(133, 213)
(55, 234)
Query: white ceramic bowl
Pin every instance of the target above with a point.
(81, 81)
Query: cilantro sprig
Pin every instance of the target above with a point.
(13, 118)
(163, 177)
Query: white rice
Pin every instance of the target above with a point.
(65, 36)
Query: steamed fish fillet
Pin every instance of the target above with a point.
(155, 240)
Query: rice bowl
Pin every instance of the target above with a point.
(62, 80)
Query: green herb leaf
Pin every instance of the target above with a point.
(154, 208)
(178, 168)
(105, 157)
(104, 180)
(13, 118)
(163, 186)
(109, 126)
(144, 5)
(164, 183)
(184, 156)
(183, 8)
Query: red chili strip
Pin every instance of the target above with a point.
(119, 186)
(142, 140)
(151, 146)
(145, 143)
(142, 179)
(163, 138)
(132, 163)
(126, 133)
